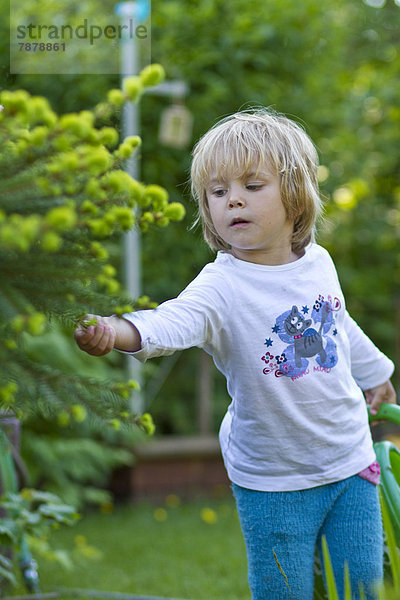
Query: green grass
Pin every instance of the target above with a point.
(183, 556)
(189, 551)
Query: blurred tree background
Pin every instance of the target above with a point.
(333, 66)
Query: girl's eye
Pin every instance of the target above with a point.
(219, 192)
(253, 187)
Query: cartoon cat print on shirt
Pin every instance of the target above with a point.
(307, 341)
(306, 336)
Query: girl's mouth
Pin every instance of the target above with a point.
(238, 222)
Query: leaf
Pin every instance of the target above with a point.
(8, 574)
(6, 569)
(282, 571)
(62, 513)
(30, 518)
(362, 593)
(5, 562)
(41, 547)
(7, 533)
(40, 496)
(347, 584)
(330, 577)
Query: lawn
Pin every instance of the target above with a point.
(191, 551)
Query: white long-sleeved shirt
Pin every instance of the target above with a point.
(295, 364)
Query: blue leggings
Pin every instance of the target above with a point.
(291, 524)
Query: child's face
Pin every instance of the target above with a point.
(248, 214)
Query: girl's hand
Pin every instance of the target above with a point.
(96, 339)
(377, 395)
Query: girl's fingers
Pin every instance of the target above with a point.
(379, 394)
(106, 341)
(95, 340)
(84, 337)
(83, 334)
(98, 344)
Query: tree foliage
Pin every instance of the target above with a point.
(64, 195)
(63, 192)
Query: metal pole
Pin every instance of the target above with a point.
(130, 12)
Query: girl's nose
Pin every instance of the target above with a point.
(235, 201)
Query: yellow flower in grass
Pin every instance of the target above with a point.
(85, 550)
(160, 514)
(209, 516)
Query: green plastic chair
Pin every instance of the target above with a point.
(388, 456)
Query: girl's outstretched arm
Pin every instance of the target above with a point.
(108, 333)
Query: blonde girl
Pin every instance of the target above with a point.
(270, 311)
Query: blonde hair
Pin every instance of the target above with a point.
(246, 142)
